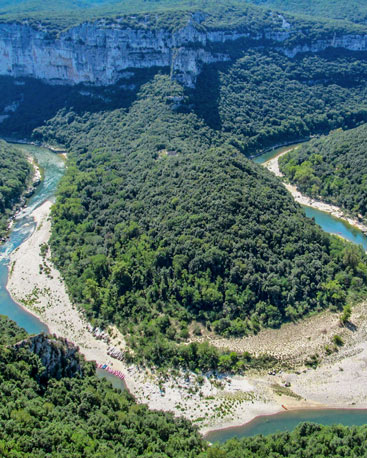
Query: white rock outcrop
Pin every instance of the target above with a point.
(100, 53)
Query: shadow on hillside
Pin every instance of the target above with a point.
(206, 96)
(27, 103)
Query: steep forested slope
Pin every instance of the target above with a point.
(155, 218)
(58, 15)
(80, 416)
(264, 97)
(333, 167)
(15, 171)
(259, 99)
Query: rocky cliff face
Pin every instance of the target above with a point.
(100, 53)
(59, 357)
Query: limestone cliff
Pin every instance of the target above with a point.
(59, 357)
(100, 52)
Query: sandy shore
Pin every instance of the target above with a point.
(211, 404)
(232, 401)
(273, 166)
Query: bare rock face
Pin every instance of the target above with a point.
(59, 357)
(99, 53)
(96, 54)
(349, 42)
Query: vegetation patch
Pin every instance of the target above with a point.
(285, 391)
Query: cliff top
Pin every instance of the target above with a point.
(56, 16)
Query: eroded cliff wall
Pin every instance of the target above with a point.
(100, 53)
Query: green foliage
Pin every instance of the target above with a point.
(333, 167)
(308, 440)
(263, 98)
(57, 15)
(84, 416)
(169, 223)
(153, 348)
(338, 340)
(80, 416)
(15, 171)
(10, 333)
(353, 10)
(347, 313)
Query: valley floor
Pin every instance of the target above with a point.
(339, 381)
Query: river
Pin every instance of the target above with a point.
(326, 221)
(54, 166)
(287, 421)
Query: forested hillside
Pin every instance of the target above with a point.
(159, 222)
(15, 171)
(80, 416)
(333, 167)
(352, 10)
(255, 15)
(58, 15)
(264, 98)
(259, 99)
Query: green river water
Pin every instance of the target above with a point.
(54, 166)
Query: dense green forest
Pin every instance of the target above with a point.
(264, 98)
(15, 171)
(83, 416)
(159, 222)
(333, 167)
(352, 10)
(80, 416)
(259, 99)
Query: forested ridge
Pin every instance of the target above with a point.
(81, 416)
(353, 10)
(15, 171)
(159, 222)
(163, 227)
(259, 99)
(59, 15)
(332, 167)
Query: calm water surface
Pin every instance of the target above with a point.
(287, 421)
